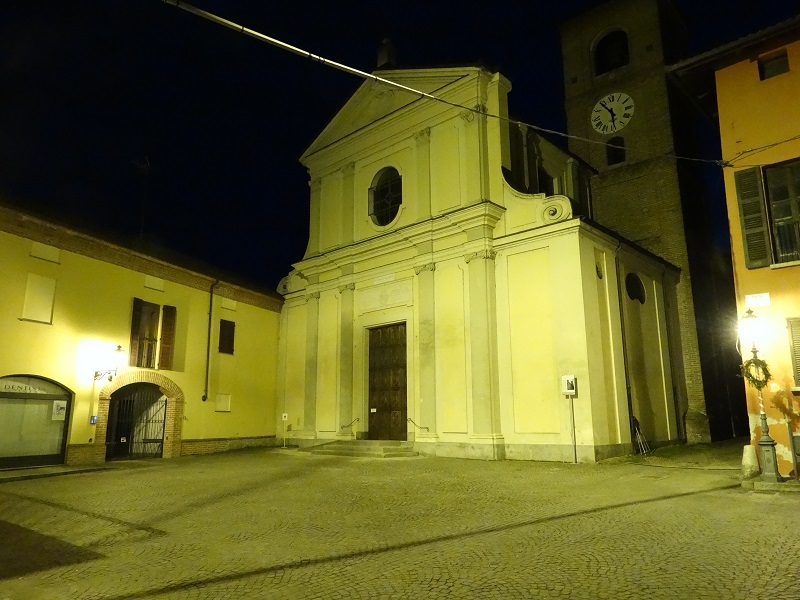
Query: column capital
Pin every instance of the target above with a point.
(422, 135)
(349, 168)
(482, 254)
(428, 267)
(349, 287)
(312, 296)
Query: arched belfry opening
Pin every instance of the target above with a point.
(611, 52)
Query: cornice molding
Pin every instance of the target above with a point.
(480, 215)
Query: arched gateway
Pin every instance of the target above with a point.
(172, 419)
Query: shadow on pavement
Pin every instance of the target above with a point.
(308, 562)
(24, 551)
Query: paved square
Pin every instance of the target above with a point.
(286, 524)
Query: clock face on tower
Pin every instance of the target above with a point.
(612, 112)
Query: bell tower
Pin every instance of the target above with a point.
(624, 120)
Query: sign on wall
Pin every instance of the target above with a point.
(59, 410)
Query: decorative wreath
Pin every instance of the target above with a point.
(761, 367)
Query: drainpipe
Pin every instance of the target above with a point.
(208, 344)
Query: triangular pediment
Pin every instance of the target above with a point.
(375, 100)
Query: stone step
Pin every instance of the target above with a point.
(365, 449)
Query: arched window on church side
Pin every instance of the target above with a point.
(615, 151)
(611, 52)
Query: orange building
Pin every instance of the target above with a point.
(757, 83)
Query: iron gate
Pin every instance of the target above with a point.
(136, 420)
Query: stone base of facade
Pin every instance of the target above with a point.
(214, 445)
(535, 452)
(95, 454)
(85, 454)
(696, 428)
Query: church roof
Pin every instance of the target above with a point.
(376, 99)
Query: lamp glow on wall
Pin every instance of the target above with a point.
(115, 359)
(756, 372)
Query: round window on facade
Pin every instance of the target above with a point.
(635, 287)
(385, 196)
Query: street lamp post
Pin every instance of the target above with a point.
(750, 330)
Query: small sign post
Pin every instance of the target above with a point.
(284, 418)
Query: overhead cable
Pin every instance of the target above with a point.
(371, 76)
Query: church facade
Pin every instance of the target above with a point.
(453, 294)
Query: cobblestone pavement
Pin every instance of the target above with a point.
(285, 524)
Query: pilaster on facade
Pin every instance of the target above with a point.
(345, 421)
(348, 201)
(426, 302)
(315, 186)
(312, 340)
(483, 342)
(422, 141)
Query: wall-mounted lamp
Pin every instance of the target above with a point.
(751, 331)
(109, 373)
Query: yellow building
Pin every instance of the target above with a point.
(757, 84)
(108, 353)
(452, 296)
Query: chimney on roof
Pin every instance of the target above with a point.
(386, 54)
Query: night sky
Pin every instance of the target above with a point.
(155, 128)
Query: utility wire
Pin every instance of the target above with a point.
(750, 151)
(371, 76)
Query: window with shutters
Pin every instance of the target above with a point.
(226, 336)
(152, 335)
(794, 340)
(783, 193)
(769, 210)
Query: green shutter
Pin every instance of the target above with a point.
(794, 339)
(169, 315)
(753, 215)
(136, 323)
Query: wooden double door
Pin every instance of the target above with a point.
(388, 406)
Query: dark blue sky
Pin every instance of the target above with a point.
(90, 89)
